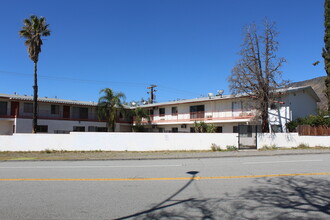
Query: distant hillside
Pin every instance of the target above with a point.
(318, 85)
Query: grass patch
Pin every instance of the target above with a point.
(303, 146)
(23, 158)
(269, 147)
(231, 148)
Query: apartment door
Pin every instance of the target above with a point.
(247, 136)
(66, 111)
(14, 109)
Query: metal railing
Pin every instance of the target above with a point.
(199, 116)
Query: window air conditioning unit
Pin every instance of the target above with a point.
(183, 126)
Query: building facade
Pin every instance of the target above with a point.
(227, 112)
(54, 116)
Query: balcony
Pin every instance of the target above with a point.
(72, 117)
(44, 114)
(199, 116)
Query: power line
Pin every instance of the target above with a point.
(75, 79)
(59, 78)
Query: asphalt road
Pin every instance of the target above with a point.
(271, 187)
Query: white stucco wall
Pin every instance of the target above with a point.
(115, 141)
(287, 140)
(146, 141)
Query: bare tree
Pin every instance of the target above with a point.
(257, 74)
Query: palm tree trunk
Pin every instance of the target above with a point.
(35, 101)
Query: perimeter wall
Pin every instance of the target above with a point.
(77, 141)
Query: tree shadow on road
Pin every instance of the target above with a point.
(163, 204)
(287, 198)
(270, 198)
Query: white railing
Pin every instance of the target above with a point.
(199, 116)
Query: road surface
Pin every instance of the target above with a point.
(271, 187)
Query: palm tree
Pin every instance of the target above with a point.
(138, 114)
(107, 106)
(34, 28)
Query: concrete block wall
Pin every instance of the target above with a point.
(77, 141)
(115, 141)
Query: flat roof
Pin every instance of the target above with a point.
(47, 100)
(202, 99)
(226, 97)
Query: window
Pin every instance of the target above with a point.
(273, 106)
(28, 108)
(80, 113)
(236, 106)
(102, 129)
(175, 130)
(162, 112)
(79, 128)
(218, 129)
(92, 128)
(42, 129)
(3, 108)
(276, 128)
(84, 113)
(97, 129)
(235, 129)
(174, 110)
(197, 108)
(55, 109)
(197, 111)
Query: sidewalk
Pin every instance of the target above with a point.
(146, 155)
(218, 154)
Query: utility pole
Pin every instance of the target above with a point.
(152, 91)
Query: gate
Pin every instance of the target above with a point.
(247, 136)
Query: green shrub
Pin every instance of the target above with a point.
(202, 127)
(231, 148)
(48, 151)
(303, 146)
(269, 147)
(322, 119)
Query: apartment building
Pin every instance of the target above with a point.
(227, 112)
(54, 116)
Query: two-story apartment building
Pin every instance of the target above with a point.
(54, 116)
(228, 111)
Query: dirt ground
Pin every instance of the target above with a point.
(144, 155)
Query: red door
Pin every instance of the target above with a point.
(14, 109)
(66, 111)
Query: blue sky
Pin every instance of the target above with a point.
(186, 47)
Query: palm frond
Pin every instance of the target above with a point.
(32, 31)
(108, 104)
